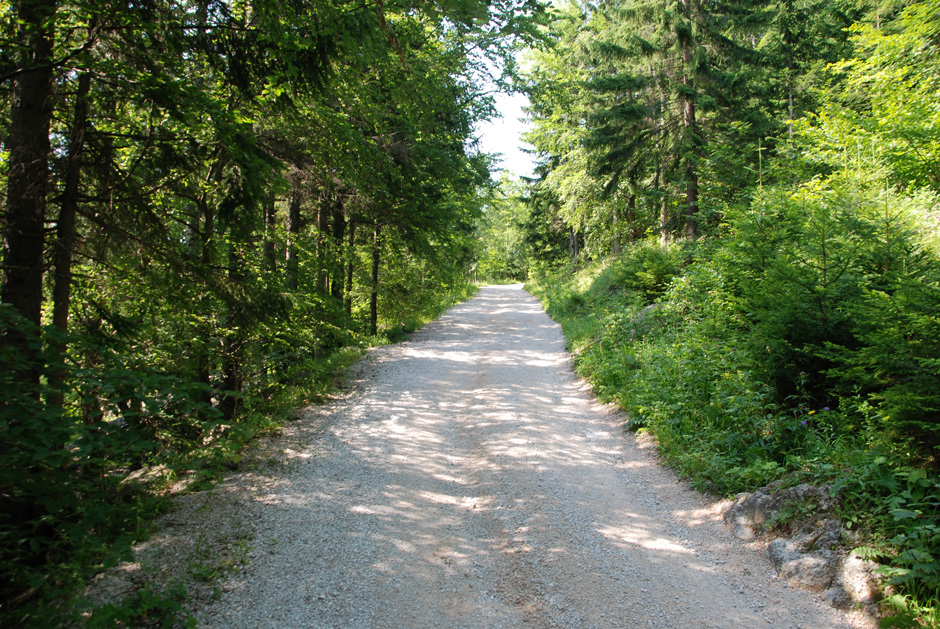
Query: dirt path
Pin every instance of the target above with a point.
(471, 481)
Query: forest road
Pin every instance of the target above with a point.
(471, 480)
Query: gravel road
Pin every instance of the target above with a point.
(470, 480)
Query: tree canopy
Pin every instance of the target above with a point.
(749, 197)
(209, 205)
(203, 203)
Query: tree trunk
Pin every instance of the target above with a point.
(202, 351)
(65, 237)
(790, 95)
(28, 176)
(204, 360)
(90, 394)
(350, 260)
(206, 208)
(270, 217)
(339, 231)
(663, 205)
(374, 297)
(616, 244)
(659, 183)
(690, 132)
(104, 164)
(234, 344)
(324, 213)
(691, 200)
(293, 231)
(663, 221)
(634, 230)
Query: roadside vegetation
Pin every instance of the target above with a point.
(752, 269)
(209, 208)
(735, 404)
(129, 473)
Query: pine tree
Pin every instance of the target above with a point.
(664, 77)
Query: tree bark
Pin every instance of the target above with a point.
(634, 229)
(270, 217)
(791, 111)
(339, 231)
(234, 343)
(293, 231)
(28, 176)
(659, 181)
(350, 261)
(324, 213)
(204, 330)
(691, 131)
(663, 205)
(616, 230)
(204, 358)
(104, 164)
(374, 297)
(65, 237)
(789, 42)
(691, 200)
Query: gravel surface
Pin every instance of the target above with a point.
(471, 480)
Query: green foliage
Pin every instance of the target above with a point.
(646, 270)
(146, 608)
(76, 510)
(736, 370)
(220, 183)
(63, 506)
(503, 255)
(798, 340)
(885, 103)
(896, 362)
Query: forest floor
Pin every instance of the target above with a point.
(466, 479)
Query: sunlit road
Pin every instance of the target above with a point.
(472, 481)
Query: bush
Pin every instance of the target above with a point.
(801, 346)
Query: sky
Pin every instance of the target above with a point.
(502, 135)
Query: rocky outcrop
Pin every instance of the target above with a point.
(813, 557)
(857, 582)
(807, 560)
(751, 513)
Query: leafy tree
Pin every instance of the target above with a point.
(885, 103)
(30, 69)
(503, 254)
(183, 188)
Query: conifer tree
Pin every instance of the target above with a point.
(664, 75)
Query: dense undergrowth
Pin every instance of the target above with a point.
(808, 352)
(85, 505)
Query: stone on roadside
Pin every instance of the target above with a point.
(813, 570)
(857, 582)
(810, 559)
(750, 512)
